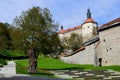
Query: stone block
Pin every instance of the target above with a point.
(100, 75)
(90, 74)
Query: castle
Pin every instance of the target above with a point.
(101, 44)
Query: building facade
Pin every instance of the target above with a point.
(101, 46)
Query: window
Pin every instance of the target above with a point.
(105, 61)
(107, 50)
(110, 48)
(104, 40)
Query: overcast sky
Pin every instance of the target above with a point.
(68, 13)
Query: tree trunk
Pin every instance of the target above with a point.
(32, 61)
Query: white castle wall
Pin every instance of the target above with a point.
(88, 30)
(68, 34)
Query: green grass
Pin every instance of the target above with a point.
(11, 53)
(46, 64)
(55, 64)
(22, 68)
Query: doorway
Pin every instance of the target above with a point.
(100, 61)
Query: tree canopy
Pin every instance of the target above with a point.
(4, 36)
(36, 29)
(73, 42)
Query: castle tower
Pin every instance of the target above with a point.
(61, 33)
(89, 27)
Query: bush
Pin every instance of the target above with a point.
(3, 62)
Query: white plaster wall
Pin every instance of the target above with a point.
(68, 34)
(61, 36)
(87, 30)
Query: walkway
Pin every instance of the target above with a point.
(88, 74)
(26, 77)
(71, 74)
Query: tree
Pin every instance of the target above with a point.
(73, 42)
(37, 29)
(16, 39)
(4, 36)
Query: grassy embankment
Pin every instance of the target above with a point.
(46, 64)
(7, 54)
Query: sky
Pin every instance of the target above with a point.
(69, 13)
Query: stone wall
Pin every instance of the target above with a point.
(83, 57)
(109, 47)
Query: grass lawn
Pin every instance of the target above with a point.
(11, 53)
(46, 64)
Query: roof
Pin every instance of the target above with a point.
(115, 21)
(91, 40)
(89, 20)
(70, 29)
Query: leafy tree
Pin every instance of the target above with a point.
(4, 36)
(37, 32)
(16, 39)
(73, 42)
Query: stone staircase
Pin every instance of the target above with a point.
(8, 70)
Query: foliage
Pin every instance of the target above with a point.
(3, 62)
(73, 42)
(4, 36)
(35, 29)
(17, 38)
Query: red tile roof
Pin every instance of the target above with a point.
(110, 23)
(89, 20)
(70, 29)
(62, 31)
